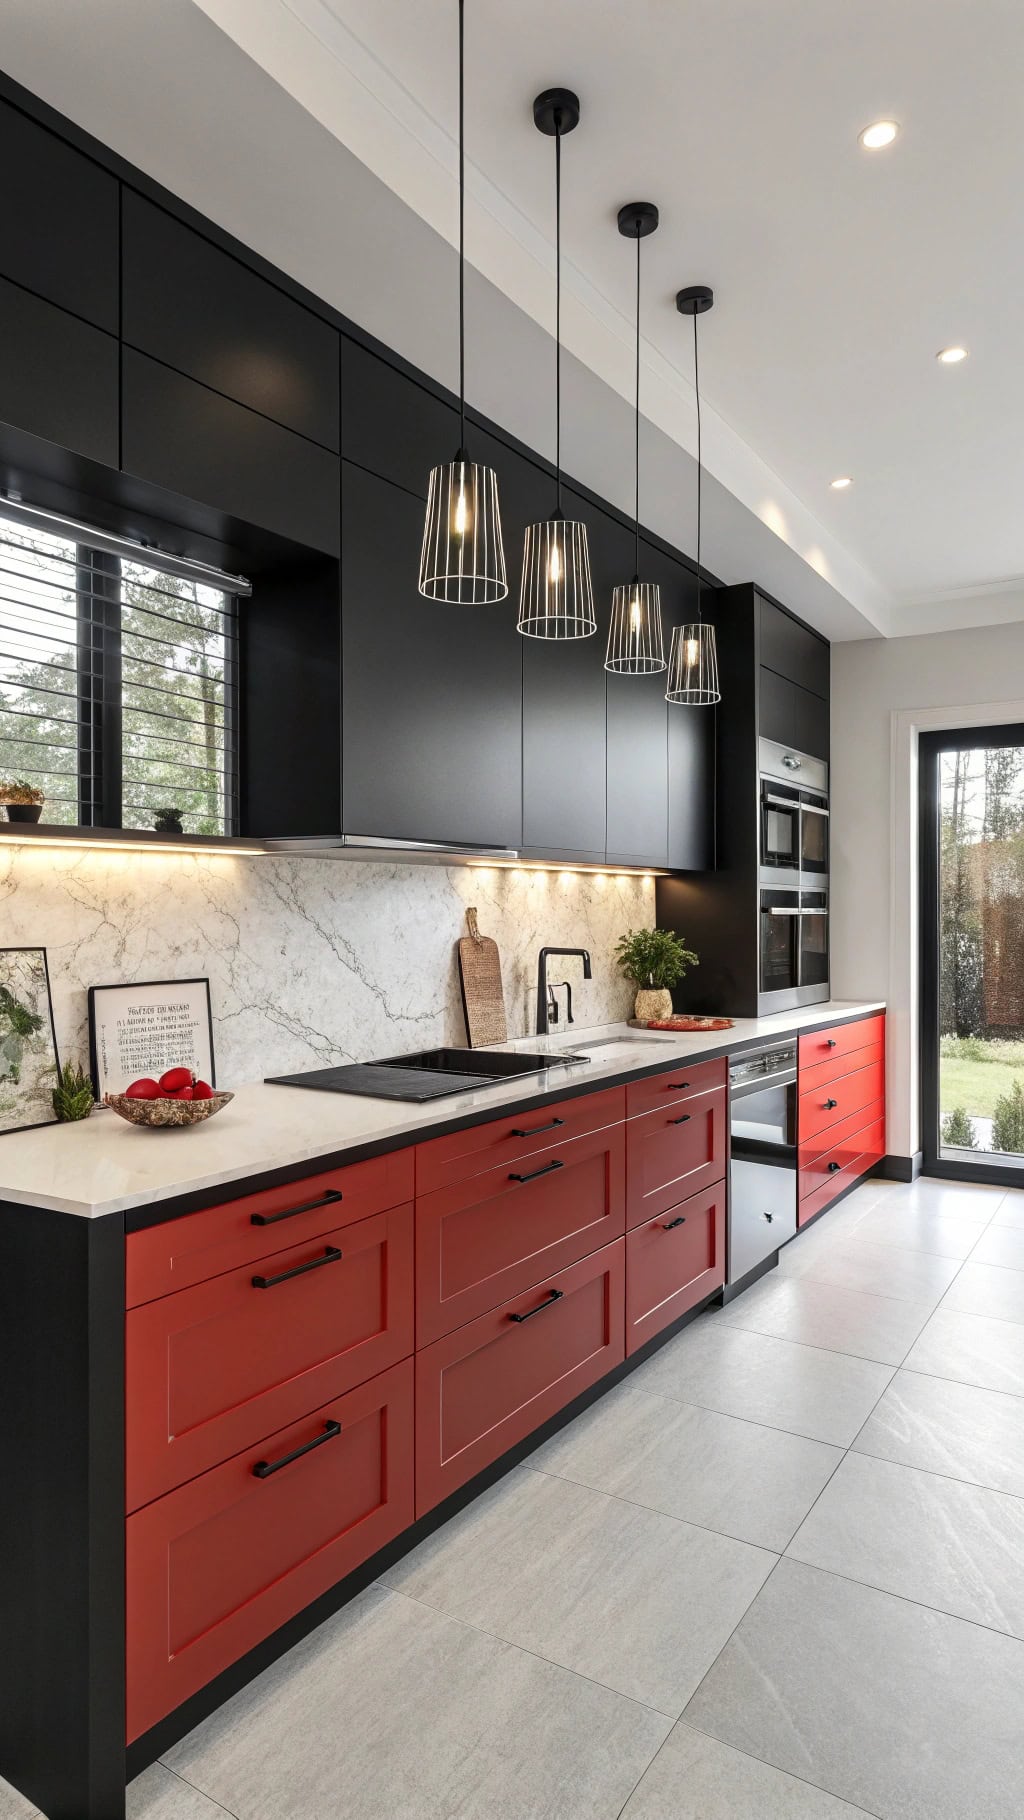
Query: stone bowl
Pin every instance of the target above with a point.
(165, 1115)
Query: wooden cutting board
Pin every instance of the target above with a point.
(482, 996)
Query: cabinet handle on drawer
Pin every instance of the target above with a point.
(555, 1296)
(830, 1105)
(677, 1086)
(264, 1468)
(271, 1219)
(832, 1041)
(535, 1130)
(833, 1167)
(672, 1224)
(331, 1256)
(683, 1119)
(534, 1173)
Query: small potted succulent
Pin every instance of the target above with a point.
(168, 821)
(655, 960)
(22, 801)
(72, 1097)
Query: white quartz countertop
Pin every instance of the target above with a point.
(104, 1166)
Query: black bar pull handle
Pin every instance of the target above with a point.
(683, 1119)
(535, 1130)
(264, 1468)
(830, 1105)
(331, 1256)
(271, 1219)
(678, 1086)
(532, 1177)
(833, 1167)
(672, 1224)
(555, 1296)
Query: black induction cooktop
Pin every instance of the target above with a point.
(431, 1075)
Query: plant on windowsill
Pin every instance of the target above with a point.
(72, 1097)
(655, 960)
(22, 801)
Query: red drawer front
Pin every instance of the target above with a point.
(825, 1107)
(202, 1245)
(488, 1385)
(492, 1236)
(823, 1074)
(674, 1083)
(672, 1263)
(211, 1369)
(872, 1146)
(223, 1561)
(821, 1168)
(674, 1151)
(515, 1134)
(831, 1044)
(832, 1141)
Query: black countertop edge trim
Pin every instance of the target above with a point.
(155, 1213)
(152, 1744)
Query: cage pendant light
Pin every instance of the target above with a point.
(693, 659)
(462, 559)
(557, 595)
(635, 643)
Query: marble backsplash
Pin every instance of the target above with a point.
(311, 961)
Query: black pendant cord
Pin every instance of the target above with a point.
(636, 450)
(700, 465)
(462, 229)
(558, 316)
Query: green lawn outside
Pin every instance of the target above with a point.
(974, 1073)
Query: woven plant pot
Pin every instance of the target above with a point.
(652, 1002)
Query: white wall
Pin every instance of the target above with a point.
(883, 691)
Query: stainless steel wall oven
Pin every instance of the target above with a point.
(793, 939)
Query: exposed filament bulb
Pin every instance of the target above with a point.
(555, 564)
(635, 616)
(692, 652)
(461, 516)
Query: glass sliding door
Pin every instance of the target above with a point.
(972, 952)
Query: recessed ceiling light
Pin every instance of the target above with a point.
(879, 133)
(950, 357)
(841, 481)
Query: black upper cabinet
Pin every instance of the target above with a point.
(58, 376)
(394, 426)
(637, 748)
(792, 716)
(204, 313)
(184, 437)
(58, 221)
(564, 710)
(432, 695)
(791, 650)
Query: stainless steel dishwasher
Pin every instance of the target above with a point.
(763, 1167)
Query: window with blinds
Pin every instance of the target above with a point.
(118, 687)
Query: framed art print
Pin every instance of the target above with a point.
(147, 1028)
(28, 1043)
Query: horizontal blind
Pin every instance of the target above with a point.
(118, 686)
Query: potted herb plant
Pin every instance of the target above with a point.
(22, 801)
(655, 960)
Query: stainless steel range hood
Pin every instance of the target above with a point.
(385, 847)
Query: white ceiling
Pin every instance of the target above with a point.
(838, 274)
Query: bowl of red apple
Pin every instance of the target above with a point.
(178, 1098)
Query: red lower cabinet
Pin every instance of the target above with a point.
(674, 1151)
(489, 1384)
(222, 1562)
(854, 1161)
(672, 1263)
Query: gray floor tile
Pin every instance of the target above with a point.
(957, 1429)
(695, 1777)
(824, 1395)
(629, 1597)
(972, 1349)
(1002, 1245)
(14, 1806)
(392, 1712)
(988, 1289)
(1010, 1211)
(736, 1477)
(965, 1200)
(944, 1235)
(946, 1544)
(906, 1276)
(158, 1794)
(822, 1314)
(906, 1712)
